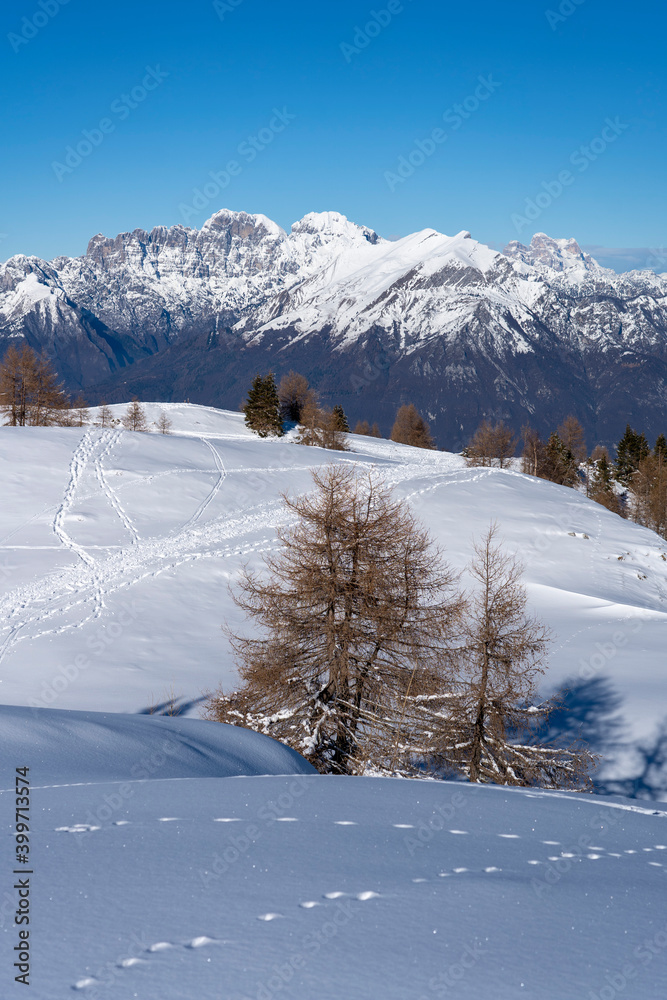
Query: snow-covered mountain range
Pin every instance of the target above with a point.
(464, 331)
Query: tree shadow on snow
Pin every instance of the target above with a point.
(173, 706)
(590, 712)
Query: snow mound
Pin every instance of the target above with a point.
(64, 747)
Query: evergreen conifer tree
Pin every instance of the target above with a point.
(262, 407)
(340, 419)
(630, 451)
(601, 487)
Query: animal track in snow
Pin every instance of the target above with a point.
(77, 828)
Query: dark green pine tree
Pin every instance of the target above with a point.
(262, 407)
(340, 419)
(660, 450)
(560, 464)
(602, 487)
(630, 451)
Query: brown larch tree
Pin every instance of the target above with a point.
(135, 417)
(571, 434)
(354, 611)
(491, 445)
(105, 417)
(485, 723)
(163, 423)
(410, 428)
(30, 393)
(294, 394)
(320, 428)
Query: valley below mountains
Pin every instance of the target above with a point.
(463, 331)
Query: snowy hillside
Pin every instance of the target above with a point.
(117, 549)
(173, 859)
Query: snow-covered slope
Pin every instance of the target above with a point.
(73, 747)
(173, 859)
(117, 551)
(462, 330)
(320, 887)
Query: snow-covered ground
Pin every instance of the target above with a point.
(117, 549)
(311, 887)
(174, 858)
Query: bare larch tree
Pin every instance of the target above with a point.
(357, 609)
(486, 726)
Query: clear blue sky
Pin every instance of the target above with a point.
(356, 113)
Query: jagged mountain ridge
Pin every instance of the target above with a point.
(464, 331)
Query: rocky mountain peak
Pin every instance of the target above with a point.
(556, 254)
(333, 225)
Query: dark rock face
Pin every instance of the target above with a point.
(464, 332)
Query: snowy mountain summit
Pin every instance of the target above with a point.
(559, 255)
(463, 331)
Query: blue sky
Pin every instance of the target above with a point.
(347, 105)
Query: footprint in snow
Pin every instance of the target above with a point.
(77, 828)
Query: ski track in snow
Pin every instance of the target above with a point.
(213, 493)
(518, 868)
(35, 605)
(82, 453)
(28, 611)
(110, 439)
